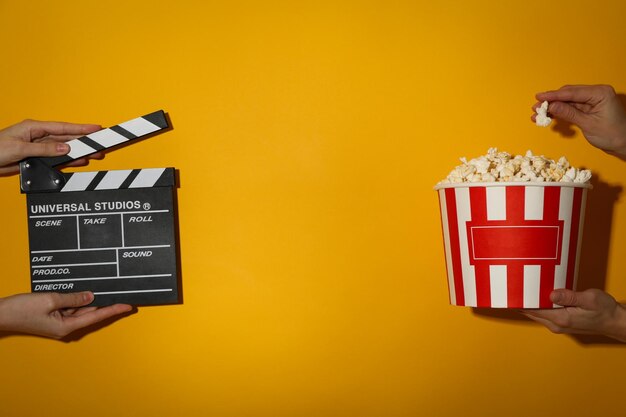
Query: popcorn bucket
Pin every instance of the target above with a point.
(509, 244)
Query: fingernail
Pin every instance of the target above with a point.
(87, 296)
(63, 147)
(556, 297)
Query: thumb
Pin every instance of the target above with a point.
(73, 299)
(568, 298)
(566, 112)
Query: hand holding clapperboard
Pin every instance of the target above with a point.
(109, 232)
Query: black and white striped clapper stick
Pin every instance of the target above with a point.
(111, 136)
(38, 175)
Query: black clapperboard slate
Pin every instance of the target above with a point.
(109, 232)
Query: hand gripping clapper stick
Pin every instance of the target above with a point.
(109, 232)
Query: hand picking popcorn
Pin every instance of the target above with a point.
(542, 118)
(603, 123)
(504, 167)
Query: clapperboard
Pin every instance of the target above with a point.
(109, 232)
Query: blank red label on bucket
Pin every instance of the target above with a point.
(509, 245)
(527, 242)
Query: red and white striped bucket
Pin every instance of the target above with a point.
(508, 245)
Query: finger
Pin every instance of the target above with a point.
(77, 312)
(570, 86)
(583, 107)
(68, 300)
(567, 112)
(591, 299)
(564, 297)
(569, 298)
(68, 311)
(18, 150)
(84, 160)
(549, 324)
(77, 163)
(555, 328)
(14, 169)
(38, 128)
(546, 314)
(534, 108)
(56, 138)
(95, 316)
(578, 93)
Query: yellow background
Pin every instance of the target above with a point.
(308, 136)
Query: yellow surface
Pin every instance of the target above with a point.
(308, 136)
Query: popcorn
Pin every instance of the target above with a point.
(503, 167)
(542, 118)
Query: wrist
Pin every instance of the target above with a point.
(619, 140)
(618, 152)
(3, 316)
(616, 326)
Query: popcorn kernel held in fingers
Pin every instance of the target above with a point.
(542, 118)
